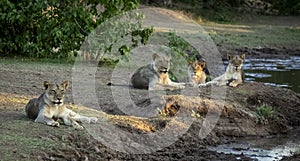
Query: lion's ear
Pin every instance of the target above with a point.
(202, 64)
(46, 85)
(229, 56)
(65, 84)
(154, 56)
(242, 56)
(198, 57)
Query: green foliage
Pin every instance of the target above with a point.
(219, 4)
(182, 52)
(144, 34)
(265, 113)
(226, 11)
(117, 36)
(108, 62)
(180, 47)
(177, 44)
(286, 7)
(35, 28)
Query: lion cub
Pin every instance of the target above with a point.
(233, 75)
(155, 76)
(196, 75)
(50, 106)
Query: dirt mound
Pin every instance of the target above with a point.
(280, 53)
(242, 110)
(238, 118)
(292, 158)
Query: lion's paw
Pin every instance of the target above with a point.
(202, 85)
(55, 124)
(181, 87)
(79, 127)
(93, 120)
(232, 84)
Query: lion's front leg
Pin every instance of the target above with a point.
(219, 81)
(181, 84)
(85, 119)
(176, 85)
(237, 79)
(45, 117)
(68, 120)
(213, 82)
(76, 117)
(71, 122)
(235, 83)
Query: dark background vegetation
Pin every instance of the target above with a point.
(35, 28)
(282, 7)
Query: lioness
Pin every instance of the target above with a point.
(155, 76)
(233, 75)
(50, 106)
(196, 75)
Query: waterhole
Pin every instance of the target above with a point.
(275, 72)
(272, 148)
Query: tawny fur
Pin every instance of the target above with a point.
(196, 75)
(50, 105)
(233, 75)
(155, 76)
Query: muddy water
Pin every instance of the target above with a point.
(275, 72)
(271, 148)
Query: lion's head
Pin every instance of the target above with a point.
(161, 63)
(56, 92)
(236, 61)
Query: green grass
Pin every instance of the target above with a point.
(46, 61)
(253, 36)
(34, 64)
(17, 140)
(22, 139)
(265, 113)
(231, 28)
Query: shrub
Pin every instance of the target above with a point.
(35, 28)
(265, 113)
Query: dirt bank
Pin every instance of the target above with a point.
(23, 139)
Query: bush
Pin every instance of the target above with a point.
(286, 7)
(265, 113)
(35, 28)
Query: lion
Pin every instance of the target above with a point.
(196, 75)
(49, 107)
(155, 75)
(233, 75)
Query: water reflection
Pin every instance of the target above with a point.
(264, 149)
(275, 72)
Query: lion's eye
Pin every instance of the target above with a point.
(52, 92)
(62, 91)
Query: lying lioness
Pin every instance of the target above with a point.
(50, 106)
(233, 75)
(155, 75)
(196, 75)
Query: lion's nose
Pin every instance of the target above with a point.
(164, 70)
